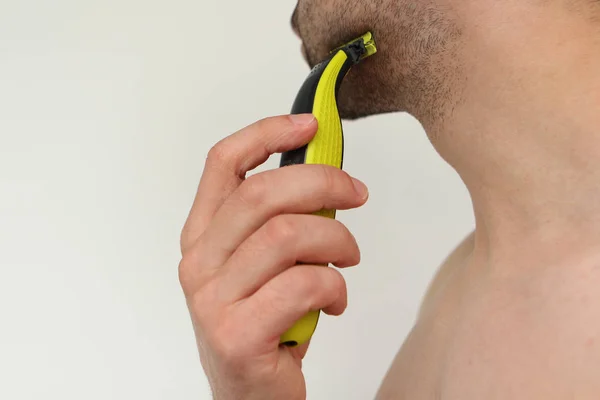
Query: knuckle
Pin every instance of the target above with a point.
(203, 304)
(315, 286)
(227, 344)
(280, 230)
(334, 180)
(185, 274)
(190, 272)
(263, 124)
(328, 178)
(253, 190)
(221, 153)
(273, 302)
(307, 281)
(321, 285)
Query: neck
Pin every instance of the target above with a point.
(525, 139)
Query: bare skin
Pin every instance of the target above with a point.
(487, 333)
(241, 248)
(509, 94)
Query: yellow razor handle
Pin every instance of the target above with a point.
(318, 95)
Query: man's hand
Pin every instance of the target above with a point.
(242, 245)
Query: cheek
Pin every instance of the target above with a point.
(326, 24)
(313, 31)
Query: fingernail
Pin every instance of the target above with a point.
(360, 188)
(302, 119)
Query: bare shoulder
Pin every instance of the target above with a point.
(416, 370)
(525, 330)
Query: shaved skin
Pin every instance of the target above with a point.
(509, 95)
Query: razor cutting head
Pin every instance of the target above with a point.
(360, 48)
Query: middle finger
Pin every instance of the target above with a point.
(295, 189)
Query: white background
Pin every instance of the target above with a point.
(107, 111)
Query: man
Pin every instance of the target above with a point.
(509, 94)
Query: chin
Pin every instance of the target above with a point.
(352, 115)
(353, 108)
(354, 101)
(359, 103)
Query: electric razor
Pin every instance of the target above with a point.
(318, 95)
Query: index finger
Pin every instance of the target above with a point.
(232, 158)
